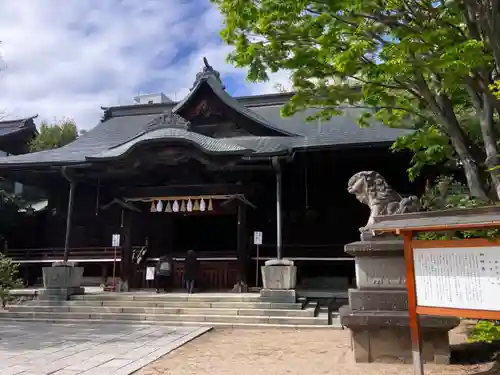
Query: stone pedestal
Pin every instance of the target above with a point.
(279, 278)
(279, 274)
(61, 281)
(377, 315)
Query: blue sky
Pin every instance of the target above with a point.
(67, 58)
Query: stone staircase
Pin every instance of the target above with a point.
(222, 309)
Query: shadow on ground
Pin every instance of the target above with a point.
(477, 354)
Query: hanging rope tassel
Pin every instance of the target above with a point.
(183, 206)
(210, 205)
(189, 206)
(196, 206)
(203, 207)
(153, 207)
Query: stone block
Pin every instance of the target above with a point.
(393, 345)
(279, 276)
(387, 247)
(61, 281)
(278, 295)
(62, 276)
(59, 294)
(384, 336)
(380, 272)
(378, 300)
(386, 319)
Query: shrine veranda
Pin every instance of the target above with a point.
(203, 174)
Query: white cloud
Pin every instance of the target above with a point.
(66, 58)
(281, 78)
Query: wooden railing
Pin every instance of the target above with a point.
(214, 275)
(297, 252)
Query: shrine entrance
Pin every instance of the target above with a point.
(209, 225)
(214, 238)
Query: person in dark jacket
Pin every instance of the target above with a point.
(163, 273)
(190, 270)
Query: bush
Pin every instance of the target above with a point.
(486, 331)
(8, 278)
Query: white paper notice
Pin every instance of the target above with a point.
(257, 238)
(115, 240)
(150, 273)
(460, 278)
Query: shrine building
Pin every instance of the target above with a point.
(203, 173)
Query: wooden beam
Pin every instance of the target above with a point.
(182, 190)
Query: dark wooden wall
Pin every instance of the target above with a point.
(319, 216)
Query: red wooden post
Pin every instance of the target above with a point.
(416, 342)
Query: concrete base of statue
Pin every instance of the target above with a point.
(377, 315)
(384, 336)
(61, 281)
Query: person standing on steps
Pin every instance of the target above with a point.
(190, 270)
(163, 273)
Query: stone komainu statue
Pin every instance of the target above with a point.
(372, 189)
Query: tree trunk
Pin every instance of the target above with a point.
(474, 179)
(442, 107)
(488, 132)
(463, 147)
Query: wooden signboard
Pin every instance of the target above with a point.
(458, 275)
(458, 278)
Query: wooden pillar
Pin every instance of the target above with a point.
(416, 341)
(126, 268)
(242, 243)
(104, 273)
(69, 214)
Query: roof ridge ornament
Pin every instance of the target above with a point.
(207, 72)
(168, 120)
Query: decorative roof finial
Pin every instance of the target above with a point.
(207, 72)
(207, 65)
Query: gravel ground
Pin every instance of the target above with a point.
(290, 352)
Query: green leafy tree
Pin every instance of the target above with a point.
(54, 135)
(8, 278)
(424, 64)
(449, 193)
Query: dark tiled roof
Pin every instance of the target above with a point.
(10, 127)
(110, 133)
(340, 130)
(127, 126)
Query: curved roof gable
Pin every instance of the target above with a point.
(173, 136)
(211, 78)
(9, 127)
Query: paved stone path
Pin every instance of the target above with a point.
(86, 349)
